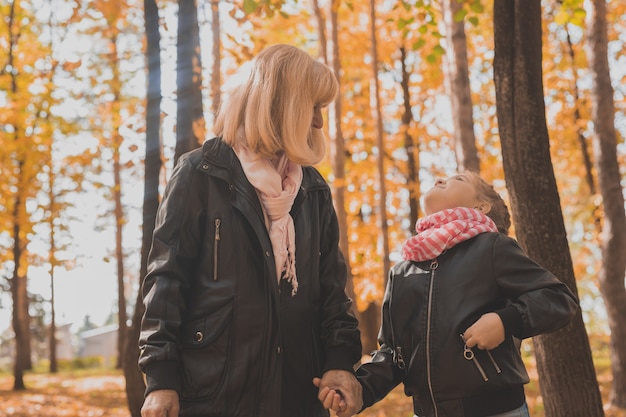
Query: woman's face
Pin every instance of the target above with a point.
(318, 119)
(456, 191)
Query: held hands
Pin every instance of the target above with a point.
(486, 333)
(161, 403)
(340, 391)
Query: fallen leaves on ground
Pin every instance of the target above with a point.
(102, 394)
(65, 395)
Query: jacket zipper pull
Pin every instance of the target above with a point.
(218, 223)
(493, 361)
(468, 354)
(398, 359)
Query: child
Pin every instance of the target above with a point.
(456, 309)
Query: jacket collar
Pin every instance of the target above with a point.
(222, 162)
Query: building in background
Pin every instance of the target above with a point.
(100, 342)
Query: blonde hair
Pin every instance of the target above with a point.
(499, 212)
(272, 111)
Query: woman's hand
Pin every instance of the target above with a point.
(340, 391)
(161, 403)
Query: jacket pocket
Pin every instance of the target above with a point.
(216, 246)
(469, 355)
(205, 354)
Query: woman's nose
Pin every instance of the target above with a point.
(440, 181)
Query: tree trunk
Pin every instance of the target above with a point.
(613, 267)
(53, 328)
(566, 373)
(321, 31)
(582, 140)
(380, 144)
(338, 156)
(190, 126)
(412, 148)
(577, 118)
(457, 80)
(52, 208)
(119, 252)
(135, 385)
(19, 289)
(118, 210)
(53, 325)
(19, 293)
(216, 82)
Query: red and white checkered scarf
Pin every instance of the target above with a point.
(444, 229)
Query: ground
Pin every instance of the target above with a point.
(101, 393)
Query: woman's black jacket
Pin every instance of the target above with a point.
(428, 305)
(219, 327)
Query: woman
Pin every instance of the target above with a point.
(245, 293)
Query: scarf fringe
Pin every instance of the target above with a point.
(277, 187)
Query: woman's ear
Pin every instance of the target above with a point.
(484, 207)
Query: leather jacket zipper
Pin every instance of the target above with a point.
(396, 357)
(218, 223)
(468, 354)
(493, 361)
(433, 266)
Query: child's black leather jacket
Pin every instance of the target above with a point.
(428, 305)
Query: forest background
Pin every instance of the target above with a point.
(78, 85)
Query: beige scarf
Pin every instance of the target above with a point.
(277, 186)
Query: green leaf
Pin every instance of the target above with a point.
(419, 44)
(460, 15)
(402, 23)
(438, 50)
(477, 7)
(250, 6)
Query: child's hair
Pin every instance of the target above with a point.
(499, 212)
(272, 111)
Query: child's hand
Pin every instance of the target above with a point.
(340, 391)
(486, 333)
(330, 398)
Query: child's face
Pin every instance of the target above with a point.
(456, 191)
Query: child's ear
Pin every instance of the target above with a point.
(484, 207)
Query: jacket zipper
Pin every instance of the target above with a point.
(493, 361)
(396, 358)
(468, 354)
(433, 266)
(218, 223)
